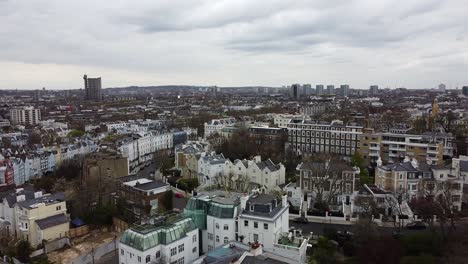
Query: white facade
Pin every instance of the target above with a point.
(209, 167)
(180, 251)
(282, 120)
(216, 125)
(264, 228)
(140, 148)
(264, 173)
(25, 116)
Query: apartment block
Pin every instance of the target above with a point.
(25, 116)
(306, 137)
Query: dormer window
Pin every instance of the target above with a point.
(251, 208)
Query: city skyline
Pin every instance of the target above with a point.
(418, 44)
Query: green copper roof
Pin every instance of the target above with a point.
(149, 236)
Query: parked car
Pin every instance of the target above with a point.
(300, 220)
(179, 195)
(416, 225)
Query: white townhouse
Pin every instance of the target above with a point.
(263, 218)
(210, 166)
(172, 241)
(264, 173)
(216, 125)
(221, 224)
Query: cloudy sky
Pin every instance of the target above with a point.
(411, 43)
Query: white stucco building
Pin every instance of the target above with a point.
(164, 241)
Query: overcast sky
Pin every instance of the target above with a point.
(410, 43)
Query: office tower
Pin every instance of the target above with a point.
(330, 89)
(92, 88)
(25, 116)
(319, 89)
(465, 90)
(373, 90)
(344, 90)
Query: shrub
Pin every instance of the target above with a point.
(422, 243)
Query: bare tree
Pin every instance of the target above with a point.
(325, 174)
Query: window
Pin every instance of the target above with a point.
(226, 227)
(181, 260)
(265, 226)
(255, 224)
(122, 252)
(139, 259)
(181, 248)
(210, 247)
(194, 238)
(217, 238)
(194, 249)
(251, 208)
(255, 237)
(226, 240)
(246, 223)
(217, 226)
(173, 251)
(148, 259)
(158, 254)
(58, 208)
(210, 236)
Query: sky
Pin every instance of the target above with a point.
(391, 43)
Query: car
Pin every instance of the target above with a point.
(179, 195)
(416, 225)
(300, 220)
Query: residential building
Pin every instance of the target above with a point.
(187, 155)
(282, 120)
(465, 90)
(210, 166)
(396, 144)
(43, 218)
(307, 136)
(166, 240)
(319, 89)
(266, 174)
(92, 89)
(411, 180)
(374, 90)
(330, 89)
(216, 125)
(263, 218)
(144, 197)
(344, 90)
(338, 189)
(4, 122)
(9, 199)
(25, 116)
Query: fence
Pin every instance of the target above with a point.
(79, 231)
(97, 253)
(119, 224)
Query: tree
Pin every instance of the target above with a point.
(168, 197)
(34, 138)
(324, 252)
(385, 250)
(163, 161)
(23, 250)
(75, 133)
(325, 174)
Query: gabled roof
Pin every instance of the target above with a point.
(402, 166)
